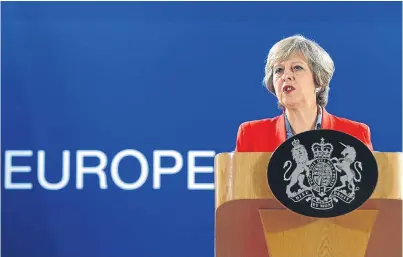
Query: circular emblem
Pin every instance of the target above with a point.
(322, 173)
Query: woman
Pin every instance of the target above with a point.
(298, 72)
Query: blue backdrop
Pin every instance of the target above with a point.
(96, 79)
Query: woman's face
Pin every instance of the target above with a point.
(294, 82)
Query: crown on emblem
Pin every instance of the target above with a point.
(322, 150)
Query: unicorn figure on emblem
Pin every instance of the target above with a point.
(344, 165)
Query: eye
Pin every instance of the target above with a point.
(278, 70)
(298, 67)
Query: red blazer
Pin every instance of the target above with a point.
(267, 134)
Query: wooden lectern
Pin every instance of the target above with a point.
(250, 222)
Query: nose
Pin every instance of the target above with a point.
(288, 75)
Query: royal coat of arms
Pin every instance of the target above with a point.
(324, 180)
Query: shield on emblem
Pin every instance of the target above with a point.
(322, 174)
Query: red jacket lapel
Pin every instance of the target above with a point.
(280, 131)
(327, 121)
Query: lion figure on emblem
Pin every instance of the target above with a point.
(344, 164)
(300, 156)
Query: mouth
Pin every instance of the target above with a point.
(288, 89)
